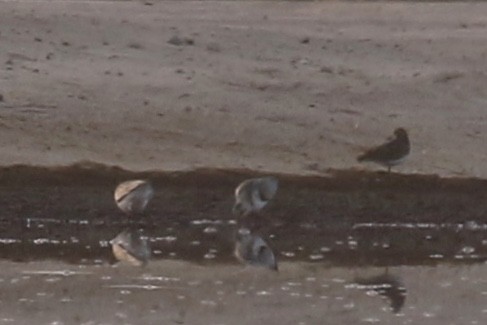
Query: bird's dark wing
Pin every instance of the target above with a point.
(391, 150)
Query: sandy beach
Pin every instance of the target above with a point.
(286, 87)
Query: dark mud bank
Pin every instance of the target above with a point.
(89, 173)
(345, 217)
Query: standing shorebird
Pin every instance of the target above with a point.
(133, 196)
(253, 250)
(391, 153)
(253, 194)
(130, 247)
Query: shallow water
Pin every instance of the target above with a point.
(168, 292)
(205, 241)
(386, 249)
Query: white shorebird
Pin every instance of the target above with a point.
(253, 250)
(391, 153)
(131, 247)
(253, 194)
(133, 196)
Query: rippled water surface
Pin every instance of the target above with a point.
(378, 248)
(171, 292)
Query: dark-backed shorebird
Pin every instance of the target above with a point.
(253, 194)
(391, 153)
(253, 250)
(133, 196)
(131, 247)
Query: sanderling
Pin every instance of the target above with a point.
(133, 196)
(253, 194)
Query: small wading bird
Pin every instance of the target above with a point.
(391, 153)
(253, 250)
(130, 247)
(133, 196)
(253, 194)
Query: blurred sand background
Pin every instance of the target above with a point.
(290, 87)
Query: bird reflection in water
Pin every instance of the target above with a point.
(252, 250)
(131, 247)
(387, 286)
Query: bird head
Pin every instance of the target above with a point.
(400, 133)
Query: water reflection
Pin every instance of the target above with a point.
(130, 246)
(386, 285)
(299, 293)
(380, 244)
(321, 246)
(251, 249)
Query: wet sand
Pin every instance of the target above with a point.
(169, 292)
(332, 236)
(351, 218)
